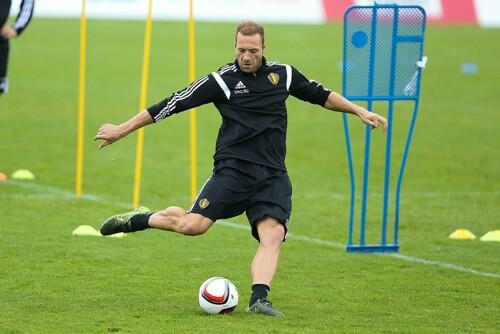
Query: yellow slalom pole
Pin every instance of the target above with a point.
(142, 106)
(81, 102)
(192, 113)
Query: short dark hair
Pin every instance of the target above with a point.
(249, 28)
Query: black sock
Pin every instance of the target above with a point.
(259, 291)
(139, 222)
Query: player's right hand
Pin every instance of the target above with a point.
(108, 133)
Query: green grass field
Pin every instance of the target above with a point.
(53, 282)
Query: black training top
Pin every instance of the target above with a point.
(252, 105)
(23, 18)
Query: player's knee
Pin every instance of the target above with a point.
(272, 234)
(191, 230)
(192, 227)
(277, 233)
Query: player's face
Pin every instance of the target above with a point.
(249, 52)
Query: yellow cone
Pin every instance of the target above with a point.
(3, 177)
(462, 234)
(23, 174)
(491, 236)
(117, 235)
(86, 230)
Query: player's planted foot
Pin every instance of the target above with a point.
(264, 306)
(4, 86)
(122, 222)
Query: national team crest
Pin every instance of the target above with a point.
(274, 78)
(203, 203)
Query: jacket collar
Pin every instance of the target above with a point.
(264, 63)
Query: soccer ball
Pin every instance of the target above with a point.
(218, 295)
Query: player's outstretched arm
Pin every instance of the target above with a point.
(337, 102)
(109, 133)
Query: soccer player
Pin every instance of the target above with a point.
(249, 173)
(7, 32)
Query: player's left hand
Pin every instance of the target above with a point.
(373, 119)
(8, 32)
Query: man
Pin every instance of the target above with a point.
(7, 32)
(249, 170)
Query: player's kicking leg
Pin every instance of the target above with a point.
(173, 219)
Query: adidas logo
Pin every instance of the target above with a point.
(240, 85)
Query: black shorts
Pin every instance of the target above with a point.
(238, 186)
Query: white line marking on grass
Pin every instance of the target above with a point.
(55, 192)
(48, 191)
(420, 194)
(34, 196)
(442, 265)
(399, 256)
(32, 185)
(45, 189)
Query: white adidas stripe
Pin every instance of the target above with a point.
(288, 76)
(222, 85)
(179, 97)
(25, 14)
(223, 68)
(186, 91)
(288, 69)
(199, 193)
(222, 71)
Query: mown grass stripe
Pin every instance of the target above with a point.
(53, 192)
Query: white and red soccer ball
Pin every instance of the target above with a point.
(218, 295)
